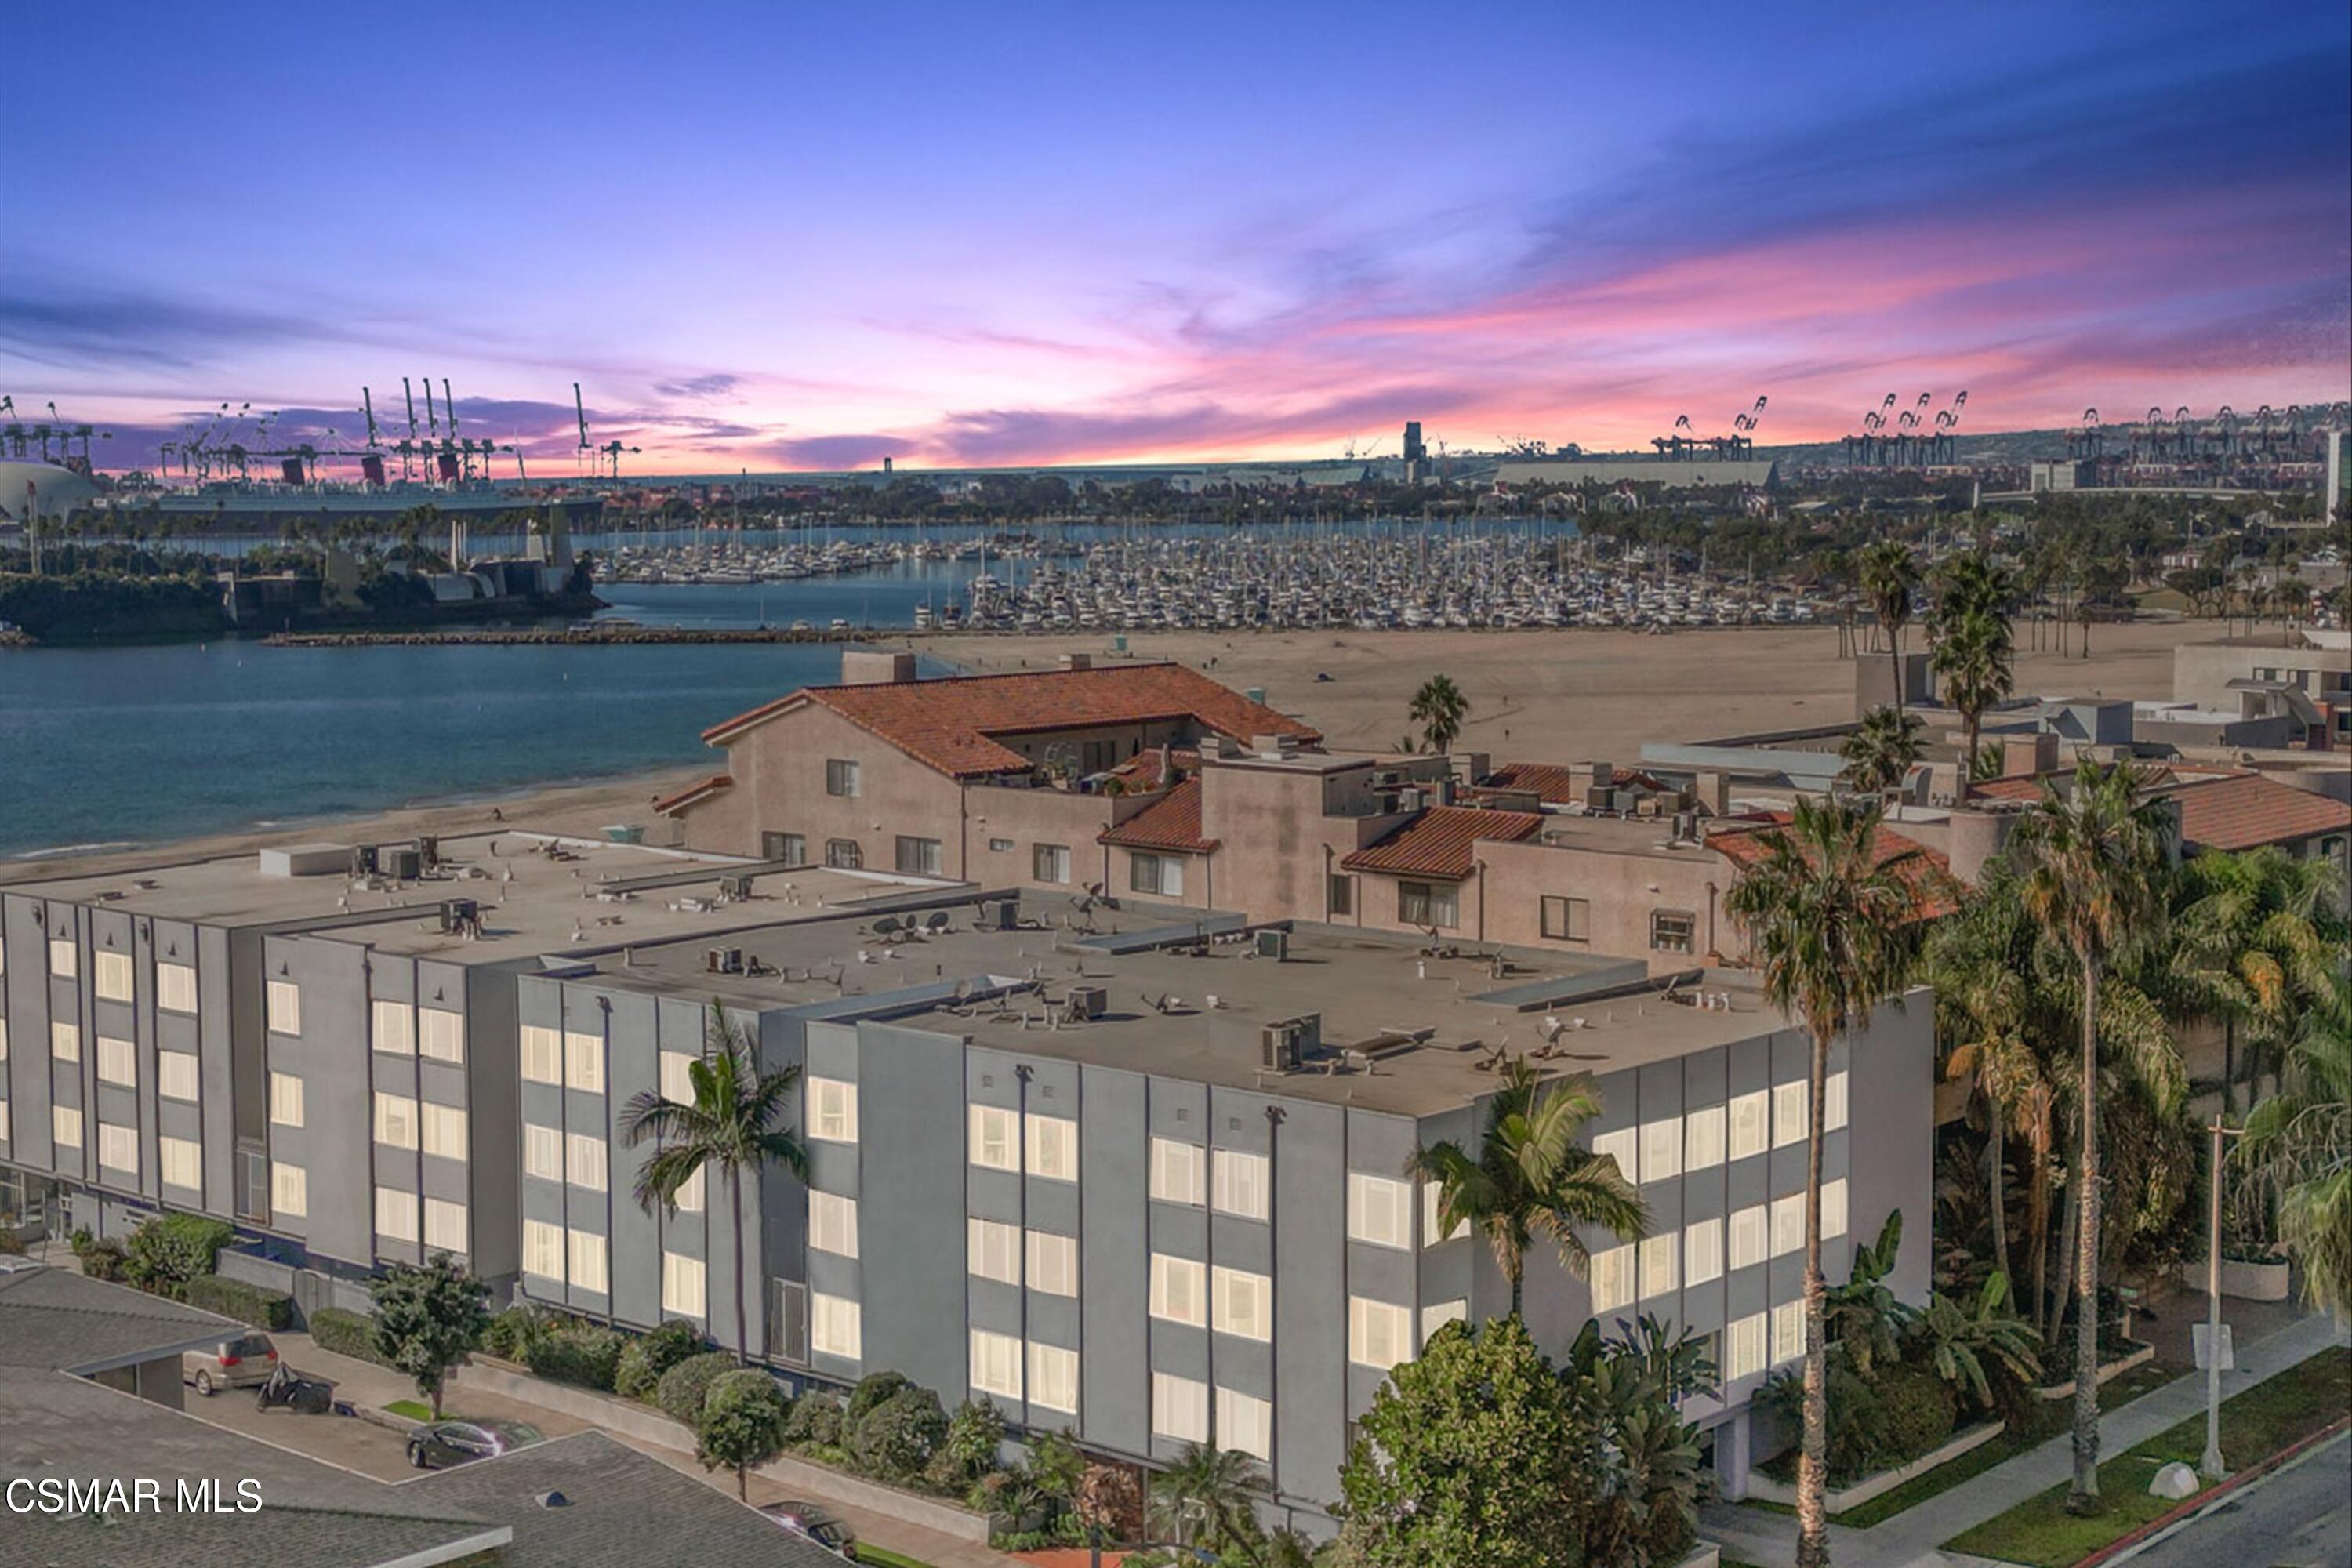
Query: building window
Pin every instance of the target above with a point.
(584, 1162)
(1833, 1102)
(1750, 1236)
(1246, 1424)
(113, 977)
(1052, 1263)
(445, 1226)
(583, 1061)
(1053, 1148)
(1833, 1201)
(1179, 1290)
(833, 1224)
(688, 1196)
(64, 1042)
(3, 1040)
(285, 1100)
(1179, 1171)
(285, 1007)
(1790, 1102)
(677, 1078)
(1242, 1303)
(993, 1140)
(918, 856)
(395, 1120)
(835, 1327)
(1054, 1378)
(175, 987)
(993, 1250)
(841, 777)
(1567, 919)
(543, 1055)
(1179, 1408)
(542, 1250)
(182, 1160)
(844, 855)
(118, 1062)
(542, 1152)
(1662, 1149)
(995, 1363)
(1673, 931)
(175, 1075)
(118, 1148)
(1239, 1180)
(290, 1191)
(1428, 904)
(1703, 1139)
(1438, 1314)
(1613, 1278)
(1748, 1115)
(1623, 1146)
(833, 1109)
(65, 958)
(1433, 1217)
(1788, 1332)
(1380, 1333)
(1787, 1224)
(587, 1261)
(1744, 1348)
(1339, 896)
(1161, 874)
(784, 849)
(1703, 1251)
(1380, 1211)
(396, 1215)
(444, 1128)
(1000, 847)
(393, 1026)
(1660, 1259)
(1050, 863)
(684, 1285)
(440, 1034)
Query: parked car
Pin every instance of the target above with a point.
(813, 1524)
(240, 1361)
(438, 1445)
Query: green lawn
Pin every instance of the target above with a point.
(2255, 1424)
(414, 1409)
(868, 1552)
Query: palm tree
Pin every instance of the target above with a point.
(2095, 856)
(2261, 934)
(1886, 574)
(1829, 923)
(1882, 751)
(732, 1125)
(2297, 1150)
(1974, 647)
(1530, 1177)
(1207, 1491)
(1440, 708)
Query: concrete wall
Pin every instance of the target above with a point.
(1622, 891)
(1028, 818)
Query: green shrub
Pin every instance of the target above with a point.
(815, 1423)
(975, 1434)
(684, 1388)
(872, 1390)
(246, 1303)
(511, 1334)
(345, 1333)
(580, 1353)
(1919, 1408)
(170, 1249)
(645, 1359)
(99, 1259)
(742, 1423)
(896, 1438)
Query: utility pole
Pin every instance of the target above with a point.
(2210, 1466)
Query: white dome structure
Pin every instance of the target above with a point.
(27, 487)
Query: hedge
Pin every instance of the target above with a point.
(346, 1333)
(247, 1303)
(576, 1353)
(638, 1373)
(685, 1387)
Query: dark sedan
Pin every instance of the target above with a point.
(811, 1523)
(438, 1445)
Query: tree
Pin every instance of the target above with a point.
(1888, 575)
(2297, 1154)
(2260, 936)
(1829, 923)
(1440, 708)
(428, 1319)
(1974, 648)
(1530, 1177)
(1203, 1499)
(731, 1126)
(742, 1425)
(2094, 855)
(1974, 1347)
(1882, 751)
(1863, 1315)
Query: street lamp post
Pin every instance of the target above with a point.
(2210, 1467)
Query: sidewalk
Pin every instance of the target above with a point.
(1910, 1539)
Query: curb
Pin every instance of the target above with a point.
(2191, 1508)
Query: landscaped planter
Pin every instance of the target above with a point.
(2255, 1281)
(1706, 1554)
(2108, 1371)
(1841, 1499)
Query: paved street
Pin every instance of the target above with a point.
(2302, 1518)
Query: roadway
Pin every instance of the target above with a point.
(2299, 1519)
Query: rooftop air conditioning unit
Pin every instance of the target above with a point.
(364, 862)
(460, 915)
(734, 961)
(1001, 915)
(428, 850)
(714, 959)
(1281, 1046)
(1599, 797)
(401, 862)
(1409, 800)
(736, 887)
(1089, 1002)
(1274, 944)
(1686, 826)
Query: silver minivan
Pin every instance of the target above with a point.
(242, 1361)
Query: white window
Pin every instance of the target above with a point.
(444, 1131)
(1380, 1333)
(1661, 1256)
(1436, 1317)
(996, 1363)
(64, 957)
(3, 1040)
(1744, 1348)
(64, 1041)
(440, 1034)
(285, 1100)
(685, 1285)
(583, 1061)
(1245, 1423)
(841, 777)
(688, 1196)
(395, 1120)
(1052, 1263)
(1050, 863)
(118, 1062)
(1179, 1408)
(285, 1007)
(993, 1142)
(1703, 1251)
(1380, 1211)
(1180, 1291)
(1179, 1174)
(1788, 1332)
(175, 987)
(1833, 1102)
(833, 1224)
(396, 1215)
(1787, 1224)
(1054, 1378)
(182, 1160)
(1662, 1149)
(542, 1152)
(587, 1260)
(1832, 1208)
(445, 1226)
(993, 1250)
(1053, 1148)
(584, 1162)
(1750, 1236)
(1433, 1215)
(4, 1134)
(1703, 1139)
(1613, 1278)
(833, 1109)
(678, 1082)
(289, 1190)
(543, 1055)
(1161, 874)
(1789, 1101)
(175, 1075)
(118, 1148)
(1623, 1146)
(918, 856)
(392, 1026)
(1242, 1302)
(1427, 904)
(836, 1327)
(1239, 1182)
(113, 978)
(542, 1250)
(1749, 1133)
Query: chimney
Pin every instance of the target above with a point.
(1078, 661)
(876, 666)
(1976, 838)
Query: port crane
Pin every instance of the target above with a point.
(598, 456)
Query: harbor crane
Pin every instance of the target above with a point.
(598, 456)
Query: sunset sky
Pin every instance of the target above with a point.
(796, 236)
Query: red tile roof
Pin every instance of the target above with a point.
(1141, 771)
(950, 724)
(1442, 842)
(1929, 871)
(2244, 811)
(1171, 822)
(1554, 784)
(687, 797)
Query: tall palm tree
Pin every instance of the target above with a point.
(1887, 573)
(1530, 1177)
(2297, 1150)
(733, 1124)
(1829, 923)
(1882, 751)
(1440, 708)
(2261, 935)
(2095, 858)
(1974, 647)
(1206, 1492)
